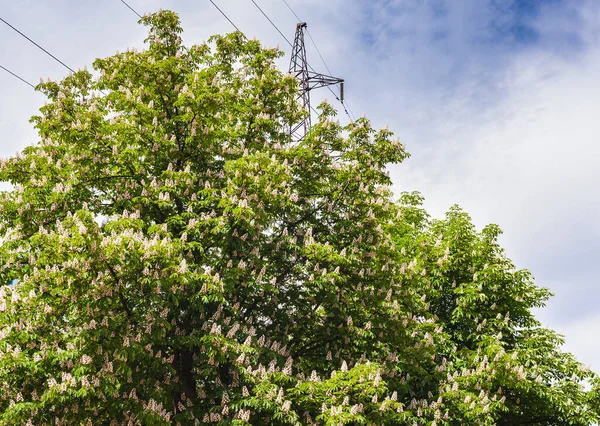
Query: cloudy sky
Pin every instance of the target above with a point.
(497, 100)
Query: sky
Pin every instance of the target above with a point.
(496, 100)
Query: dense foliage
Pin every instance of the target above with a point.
(180, 260)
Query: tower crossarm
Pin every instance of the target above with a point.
(316, 80)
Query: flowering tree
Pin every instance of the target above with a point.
(180, 260)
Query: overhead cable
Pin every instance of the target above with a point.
(235, 26)
(40, 47)
(318, 51)
(292, 10)
(226, 17)
(17, 76)
(310, 36)
(131, 8)
(344, 105)
(272, 23)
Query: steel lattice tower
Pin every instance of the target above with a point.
(308, 80)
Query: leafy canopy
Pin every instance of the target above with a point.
(180, 260)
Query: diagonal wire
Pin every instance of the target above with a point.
(226, 17)
(341, 102)
(286, 39)
(345, 105)
(272, 23)
(349, 109)
(236, 27)
(17, 76)
(292, 10)
(213, 3)
(131, 8)
(40, 47)
(279, 31)
(310, 36)
(318, 51)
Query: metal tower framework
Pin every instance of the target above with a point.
(308, 79)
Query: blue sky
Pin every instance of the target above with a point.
(496, 100)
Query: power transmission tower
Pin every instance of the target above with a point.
(308, 80)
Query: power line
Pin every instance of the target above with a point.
(213, 3)
(349, 109)
(40, 47)
(310, 36)
(277, 28)
(237, 28)
(17, 76)
(341, 102)
(318, 51)
(272, 23)
(292, 10)
(131, 8)
(344, 105)
(286, 39)
(279, 31)
(226, 17)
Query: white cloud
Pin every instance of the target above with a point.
(580, 339)
(530, 164)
